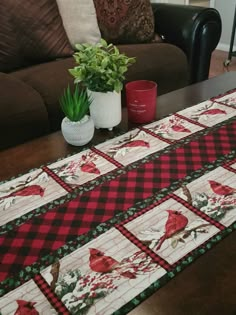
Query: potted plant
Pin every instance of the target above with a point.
(101, 68)
(77, 127)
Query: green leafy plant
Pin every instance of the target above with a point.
(101, 67)
(75, 105)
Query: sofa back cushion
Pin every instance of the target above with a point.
(80, 21)
(9, 48)
(34, 33)
(125, 21)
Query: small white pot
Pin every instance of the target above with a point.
(105, 109)
(78, 132)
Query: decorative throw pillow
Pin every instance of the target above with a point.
(9, 49)
(125, 21)
(80, 21)
(37, 28)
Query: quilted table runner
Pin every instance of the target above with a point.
(99, 231)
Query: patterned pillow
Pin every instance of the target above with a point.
(9, 49)
(125, 21)
(34, 31)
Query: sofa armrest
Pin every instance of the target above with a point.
(196, 30)
(23, 115)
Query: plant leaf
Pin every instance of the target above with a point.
(75, 105)
(101, 67)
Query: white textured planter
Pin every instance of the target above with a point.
(78, 133)
(105, 109)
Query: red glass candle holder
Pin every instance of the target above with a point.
(141, 98)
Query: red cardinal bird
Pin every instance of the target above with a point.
(175, 223)
(26, 308)
(180, 128)
(213, 111)
(222, 190)
(130, 144)
(32, 190)
(134, 143)
(98, 262)
(90, 167)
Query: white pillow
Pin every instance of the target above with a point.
(80, 21)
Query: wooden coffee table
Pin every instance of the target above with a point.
(49, 148)
(208, 285)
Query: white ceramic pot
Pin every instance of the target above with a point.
(78, 133)
(105, 109)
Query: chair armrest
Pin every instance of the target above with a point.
(196, 30)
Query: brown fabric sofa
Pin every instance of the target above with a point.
(29, 104)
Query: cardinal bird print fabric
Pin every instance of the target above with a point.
(131, 147)
(99, 231)
(216, 198)
(88, 279)
(22, 195)
(26, 300)
(209, 113)
(81, 168)
(173, 128)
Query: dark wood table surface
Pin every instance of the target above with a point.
(206, 287)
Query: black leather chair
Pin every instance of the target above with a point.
(196, 30)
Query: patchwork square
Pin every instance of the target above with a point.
(81, 168)
(171, 230)
(103, 275)
(131, 146)
(173, 128)
(208, 113)
(214, 194)
(23, 194)
(26, 300)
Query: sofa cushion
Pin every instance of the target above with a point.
(40, 30)
(9, 48)
(49, 80)
(37, 28)
(125, 21)
(22, 111)
(163, 63)
(80, 21)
